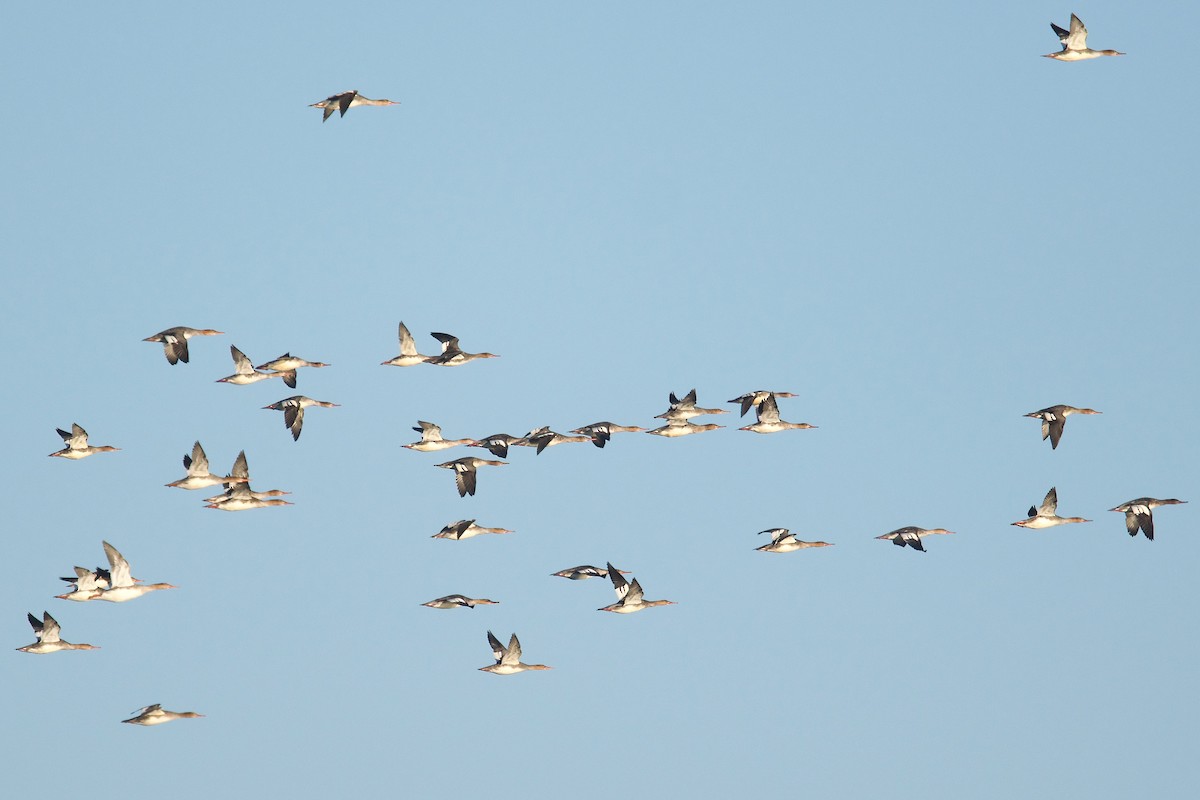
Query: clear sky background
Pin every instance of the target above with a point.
(900, 212)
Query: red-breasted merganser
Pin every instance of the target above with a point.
(240, 490)
(174, 341)
(344, 101)
(452, 355)
(198, 476)
(239, 496)
(244, 372)
(409, 357)
(459, 601)
(1046, 515)
(750, 400)
(685, 408)
(582, 573)
(289, 363)
(629, 595)
(293, 411)
(1054, 418)
(47, 632)
(431, 439)
(87, 583)
(498, 443)
(508, 659)
(123, 585)
(769, 421)
(601, 432)
(911, 536)
(681, 427)
(783, 541)
(543, 437)
(1074, 43)
(77, 446)
(245, 502)
(464, 472)
(1138, 514)
(465, 529)
(157, 715)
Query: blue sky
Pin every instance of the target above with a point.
(904, 215)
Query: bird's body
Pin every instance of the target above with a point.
(77, 446)
(1138, 514)
(464, 472)
(498, 443)
(293, 411)
(452, 355)
(245, 372)
(767, 411)
(784, 541)
(1046, 516)
(541, 438)
(239, 496)
(157, 715)
(601, 432)
(248, 502)
(290, 363)
(751, 400)
(583, 572)
(1054, 418)
(466, 529)
(458, 601)
(124, 587)
(175, 341)
(630, 597)
(1074, 43)
(685, 408)
(198, 476)
(508, 659)
(87, 583)
(49, 640)
(344, 101)
(233, 493)
(431, 439)
(911, 536)
(409, 357)
(682, 427)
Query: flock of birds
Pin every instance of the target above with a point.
(116, 584)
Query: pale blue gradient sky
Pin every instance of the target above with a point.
(622, 200)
